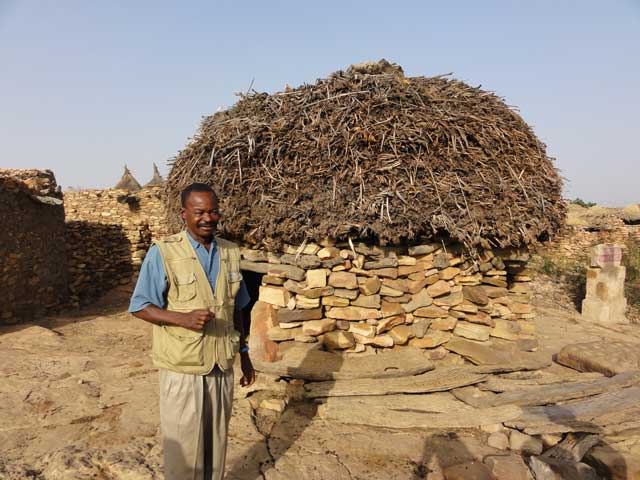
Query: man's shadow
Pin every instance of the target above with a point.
(288, 428)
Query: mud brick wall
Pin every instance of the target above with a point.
(33, 272)
(108, 234)
(358, 300)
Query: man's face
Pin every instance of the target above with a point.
(201, 214)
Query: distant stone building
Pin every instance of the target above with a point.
(33, 274)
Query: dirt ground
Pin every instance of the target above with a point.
(79, 400)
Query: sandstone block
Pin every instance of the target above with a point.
(401, 334)
(334, 301)
(475, 294)
(389, 322)
(278, 296)
(362, 329)
(285, 315)
(317, 278)
(451, 300)
(317, 327)
(339, 340)
(472, 331)
(419, 300)
(277, 334)
(367, 301)
(353, 313)
(439, 289)
(370, 286)
(431, 340)
(448, 323)
(432, 311)
(521, 442)
(344, 293)
(388, 309)
(507, 329)
(343, 280)
(420, 327)
(304, 302)
(449, 273)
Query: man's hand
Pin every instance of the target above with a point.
(248, 373)
(196, 319)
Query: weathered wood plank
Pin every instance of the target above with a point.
(317, 365)
(439, 380)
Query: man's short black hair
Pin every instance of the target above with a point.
(195, 187)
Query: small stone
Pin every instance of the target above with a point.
(507, 329)
(388, 309)
(448, 323)
(334, 301)
(404, 260)
(362, 329)
(343, 324)
(524, 443)
(388, 323)
(367, 301)
(418, 250)
(339, 340)
(439, 289)
(274, 295)
(343, 280)
(420, 327)
(495, 281)
(344, 293)
(480, 317)
(420, 299)
(441, 261)
(451, 300)
(472, 331)
(498, 440)
(275, 404)
(328, 252)
(370, 286)
(438, 353)
(508, 467)
(401, 334)
(475, 294)
(431, 340)
(354, 313)
(277, 334)
(449, 273)
(317, 327)
(383, 341)
(390, 292)
(550, 439)
(285, 316)
(431, 311)
(303, 302)
(290, 325)
(317, 278)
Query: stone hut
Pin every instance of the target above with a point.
(33, 271)
(379, 211)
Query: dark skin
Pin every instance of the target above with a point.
(201, 215)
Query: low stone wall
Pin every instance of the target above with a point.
(108, 235)
(33, 273)
(364, 298)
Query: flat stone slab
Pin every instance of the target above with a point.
(316, 365)
(609, 358)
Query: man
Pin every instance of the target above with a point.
(191, 290)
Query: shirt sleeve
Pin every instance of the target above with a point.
(242, 297)
(151, 288)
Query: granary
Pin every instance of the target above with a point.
(379, 212)
(127, 182)
(33, 278)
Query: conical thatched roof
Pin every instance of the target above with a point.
(127, 182)
(156, 180)
(373, 154)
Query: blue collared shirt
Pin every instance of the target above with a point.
(152, 285)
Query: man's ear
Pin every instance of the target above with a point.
(183, 214)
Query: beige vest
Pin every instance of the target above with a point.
(183, 350)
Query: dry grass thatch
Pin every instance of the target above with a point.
(372, 154)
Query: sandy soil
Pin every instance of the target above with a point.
(78, 400)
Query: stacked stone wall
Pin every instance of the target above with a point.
(357, 300)
(108, 234)
(33, 273)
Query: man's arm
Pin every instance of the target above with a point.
(148, 298)
(194, 320)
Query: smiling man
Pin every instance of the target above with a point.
(190, 288)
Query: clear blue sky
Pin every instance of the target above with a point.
(87, 86)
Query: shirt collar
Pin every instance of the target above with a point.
(197, 244)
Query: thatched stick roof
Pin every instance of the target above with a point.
(373, 154)
(127, 182)
(156, 180)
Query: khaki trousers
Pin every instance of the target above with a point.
(194, 418)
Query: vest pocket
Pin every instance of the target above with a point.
(186, 286)
(182, 347)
